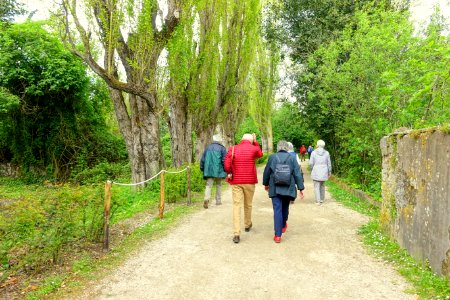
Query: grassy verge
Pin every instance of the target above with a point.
(48, 231)
(88, 269)
(424, 282)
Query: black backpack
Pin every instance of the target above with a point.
(282, 173)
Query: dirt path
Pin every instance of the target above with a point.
(320, 257)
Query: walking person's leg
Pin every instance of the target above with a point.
(322, 191)
(249, 191)
(277, 215)
(317, 190)
(238, 198)
(209, 185)
(285, 211)
(218, 190)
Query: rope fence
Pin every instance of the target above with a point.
(107, 203)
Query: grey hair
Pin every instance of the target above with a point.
(290, 147)
(282, 145)
(247, 136)
(320, 144)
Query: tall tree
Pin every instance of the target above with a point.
(8, 9)
(264, 79)
(132, 36)
(239, 28)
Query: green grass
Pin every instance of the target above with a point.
(351, 201)
(424, 282)
(44, 226)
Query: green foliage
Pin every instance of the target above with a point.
(307, 25)
(247, 126)
(351, 201)
(59, 122)
(288, 124)
(377, 76)
(37, 222)
(100, 173)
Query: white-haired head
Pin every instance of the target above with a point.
(320, 144)
(247, 137)
(290, 147)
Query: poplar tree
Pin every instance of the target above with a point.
(130, 37)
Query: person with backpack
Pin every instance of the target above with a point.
(280, 178)
(320, 163)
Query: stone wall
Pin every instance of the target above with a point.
(416, 197)
(8, 169)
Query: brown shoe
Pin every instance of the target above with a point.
(247, 229)
(236, 239)
(205, 204)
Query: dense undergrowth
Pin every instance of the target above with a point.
(43, 225)
(425, 283)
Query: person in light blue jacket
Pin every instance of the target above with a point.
(320, 163)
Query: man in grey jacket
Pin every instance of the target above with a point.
(320, 163)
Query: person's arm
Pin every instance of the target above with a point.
(258, 151)
(227, 161)
(311, 160)
(329, 164)
(202, 161)
(223, 153)
(267, 172)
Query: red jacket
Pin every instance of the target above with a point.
(303, 149)
(243, 163)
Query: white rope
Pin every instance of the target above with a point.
(147, 180)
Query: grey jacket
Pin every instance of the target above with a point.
(320, 164)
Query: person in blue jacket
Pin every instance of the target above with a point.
(282, 195)
(211, 165)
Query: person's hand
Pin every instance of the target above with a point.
(301, 195)
(266, 187)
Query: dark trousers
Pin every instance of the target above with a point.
(280, 212)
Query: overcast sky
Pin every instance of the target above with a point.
(420, 9)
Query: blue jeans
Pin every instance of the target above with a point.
(280, 212)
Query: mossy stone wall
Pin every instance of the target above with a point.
(416, 198)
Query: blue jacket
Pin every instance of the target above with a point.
(211, 163)
(296, 176)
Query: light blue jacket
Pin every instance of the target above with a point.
(320, 163)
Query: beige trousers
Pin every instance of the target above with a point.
(242, 193)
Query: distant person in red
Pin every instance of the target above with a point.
(303, 152)
(240, 162)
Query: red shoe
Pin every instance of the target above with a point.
(283, 230)
(277, 239)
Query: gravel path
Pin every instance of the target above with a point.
(320, 257)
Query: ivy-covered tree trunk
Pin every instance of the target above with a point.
(141, 135)
(204, 138)
(180, 127)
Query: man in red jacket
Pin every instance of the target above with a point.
(240, 161)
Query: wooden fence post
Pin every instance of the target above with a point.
(107, 207)
(188, 174)
(161, 196)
